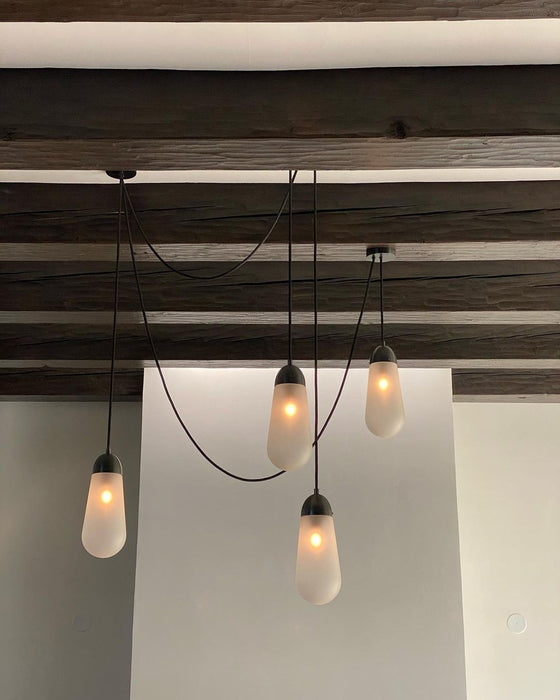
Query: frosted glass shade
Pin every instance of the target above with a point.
(289, 433)
(384, 404)
(318, 578)
(104, 531)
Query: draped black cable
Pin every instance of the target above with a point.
(381, 297)
(162, 377)
(127, 203)
(290, 283)
(115, 313)
(231, 270)
(315, 334)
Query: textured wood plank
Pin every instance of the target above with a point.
(270, 11)
(238, 213)
(262, 287)
(349, 153)
(307, 119)
(92, 385)
(88, 385)
(467, 382)
(299, 318)
(269, 342)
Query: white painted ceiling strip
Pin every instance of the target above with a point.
(99, 177)
(277, 46)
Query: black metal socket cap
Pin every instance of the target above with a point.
(125, 174)
(316, 504)
(290, 374)
(108, 463)
(383, 353)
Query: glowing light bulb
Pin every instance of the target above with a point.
(316, 539)
(384, 404)
(318, 578)
(104, 530)
(289, 433)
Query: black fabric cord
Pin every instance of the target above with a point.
(220, 275)
(115, 313)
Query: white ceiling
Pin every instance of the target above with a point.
(277, 46)
(303, 176)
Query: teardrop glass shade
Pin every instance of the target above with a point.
(104, 531)
(289, 433)
(318, 577)
(384, 404)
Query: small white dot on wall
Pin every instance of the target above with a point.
(516, 623)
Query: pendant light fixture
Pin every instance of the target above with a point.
(318, 577)
(104, 529)
(289, 433)
(384, 404)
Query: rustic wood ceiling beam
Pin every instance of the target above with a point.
(271, 11)
(342, 119)
(191, 213)
(233, 342)
(484, 286)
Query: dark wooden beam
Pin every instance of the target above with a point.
(245, 343)
(92, 385)
(241, 213)
(270, 11)
(89, 385)
(490, 382)
(339, 119)
(260, 287)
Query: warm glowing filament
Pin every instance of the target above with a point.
(290, 409)
(315, 539)
(383, 384)
(106, 497)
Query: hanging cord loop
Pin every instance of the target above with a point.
(127, 211)
(220, 275)
(115, 313)
(162, 377)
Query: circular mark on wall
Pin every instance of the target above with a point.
(516, 623)
(81, 621)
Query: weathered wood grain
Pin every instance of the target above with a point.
(481, 382)
(270, 11)
(90, 385)
(226, 342)
(262, 287)
(241, 213)
(281, 154)
(342, 119)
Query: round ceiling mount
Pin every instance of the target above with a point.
(388, 252)
(125, 174)
(517, 623)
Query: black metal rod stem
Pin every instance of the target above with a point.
(290, 281)
(316, 333)
(115, 314)
(381, 298)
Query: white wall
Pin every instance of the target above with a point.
(216, 611)
(508, 483)
(65, 617)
